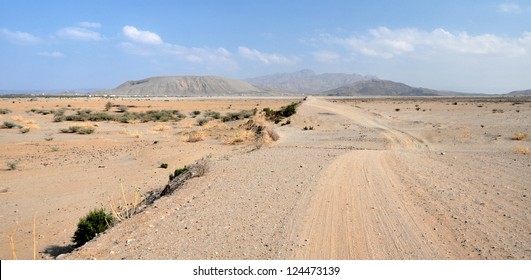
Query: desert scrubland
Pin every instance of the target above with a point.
(347, 178)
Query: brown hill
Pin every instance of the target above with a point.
(375, 87)
(184, 86)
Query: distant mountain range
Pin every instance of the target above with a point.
(304, 82)
(377, 87)
(519, 93)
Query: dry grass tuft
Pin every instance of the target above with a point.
(121, 209)
(161, 127)
(238, 136)
(519, 136)
(522, 150)
(195, 136)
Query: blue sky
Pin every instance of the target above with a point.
(471, 46)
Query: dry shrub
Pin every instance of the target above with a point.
(135, 134)
(161, 127)
(522, 150)
(238, 135)
(121, 209)
(519, 136)
(195, 136)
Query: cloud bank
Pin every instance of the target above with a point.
(254, 54)
(384, 43)
(79, 34)
(19, 37)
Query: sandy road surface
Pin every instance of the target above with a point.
(356, 213)
(360, 210)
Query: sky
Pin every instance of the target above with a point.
(468, 46)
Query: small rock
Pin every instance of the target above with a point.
(443, 153)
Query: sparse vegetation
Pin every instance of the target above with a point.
(243, 114)
(127, 117)
(164, 165)
(12, 165)
(208, 116)
(397, 109)
(42, 111)
(123, 210)
(202, 121)
(4, 111)
(194, 136)
(519, 136)
(178, 172)
(9, 125)
(108, 106)
(308, 128)
(49, 138)
(78, 129)
(212, 114)
(284, 112)
(122, 109)
(24, 130)
(522, 150)
(497, 111)
(95, 222)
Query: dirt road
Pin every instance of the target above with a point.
(361, 208)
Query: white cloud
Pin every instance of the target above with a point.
(51, 54)
(263, 57)
(509, 8)
(89, 24)
(78, 33)
(141, 36)
(387, 43)
(147, 43)
(19, 37)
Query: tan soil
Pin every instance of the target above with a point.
(368, 182)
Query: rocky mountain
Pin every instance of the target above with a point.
(306, 81)
(519, 93)
(375, 87)
(184, 86)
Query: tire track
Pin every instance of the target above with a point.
(356, 211)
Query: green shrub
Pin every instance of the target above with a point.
(12, 165)
(284, 112)
(4, 111)
(202, 122)
(164, 165)
(243, 114)
(95, 222)
(108, 106)
(78, 129)
(24, 130)
(9, 125)
(212, 114)
(178, 172)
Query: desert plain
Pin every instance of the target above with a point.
(347, 178)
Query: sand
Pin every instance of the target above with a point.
(403, 178)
